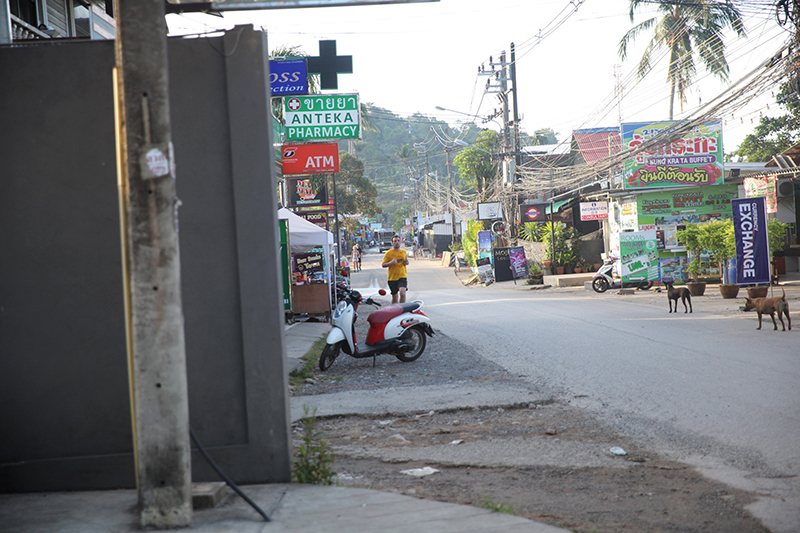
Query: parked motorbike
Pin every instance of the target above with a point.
(397, 329)
(604, 279)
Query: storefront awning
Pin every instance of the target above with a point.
(557, 206)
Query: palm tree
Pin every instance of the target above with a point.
(683, 28)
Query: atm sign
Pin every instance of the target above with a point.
(310, 158)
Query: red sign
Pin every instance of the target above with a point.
(310, 158)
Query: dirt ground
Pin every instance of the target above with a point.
(637, 492)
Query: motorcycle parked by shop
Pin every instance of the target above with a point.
(397, 329)
(604, 279)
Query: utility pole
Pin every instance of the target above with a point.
(517, 155)
(450, 199)
(151, 267)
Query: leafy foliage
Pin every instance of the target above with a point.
(355, 194)
(684, 29)
(774, 135)
(314, 460)
(470, 241)
(475, 166)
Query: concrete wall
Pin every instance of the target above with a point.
(64, 402)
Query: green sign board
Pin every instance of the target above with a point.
(638, 255)
(693, 159)
(286, 266)
(685, 206)
(321, 117)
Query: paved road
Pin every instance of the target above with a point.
(705, 388)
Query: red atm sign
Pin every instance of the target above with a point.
(310, 158)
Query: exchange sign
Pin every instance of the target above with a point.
(321, 116)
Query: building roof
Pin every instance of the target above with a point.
(594, 144)
(787, 159)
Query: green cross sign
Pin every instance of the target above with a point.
(321, 117)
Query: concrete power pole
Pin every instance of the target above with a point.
(151, 263)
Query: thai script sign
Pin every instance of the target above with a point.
(288, 76)
(755, 187)
(594, 210)
(321, 116)
(310, 158)
(638, 255)
(694, 159)
(752, 240)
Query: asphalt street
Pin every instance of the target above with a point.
(704, 388)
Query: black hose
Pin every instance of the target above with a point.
(225, 477)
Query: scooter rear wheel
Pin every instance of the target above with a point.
(600, 284)
(329, 355)
(417, 337)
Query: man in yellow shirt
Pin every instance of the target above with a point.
(396, 260)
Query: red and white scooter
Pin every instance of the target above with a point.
(397, 329)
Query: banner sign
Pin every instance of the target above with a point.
(519, 265)
(288, 76)
(755, 187)
(638, 255)
(319, 218)
(594, 210)
(310, 158)
(532, 213)
(485, 272)
(321, 116)
(752, 240)
(694, 159)
(485, 244)
(686, 206)
(304, 192)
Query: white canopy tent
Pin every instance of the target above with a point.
(303, 235)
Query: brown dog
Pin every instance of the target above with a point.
(770, 306)
(682, 293)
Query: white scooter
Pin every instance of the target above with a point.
(397, 329)
(604, 278)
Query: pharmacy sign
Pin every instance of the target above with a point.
(321, 117)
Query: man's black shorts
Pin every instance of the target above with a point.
(394, 286)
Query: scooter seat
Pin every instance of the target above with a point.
(382, 316)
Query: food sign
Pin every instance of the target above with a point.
(692, 160)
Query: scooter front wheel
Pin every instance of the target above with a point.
(329, 355)
(600, 284)
(416, 337)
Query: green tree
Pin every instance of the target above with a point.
(539, 137)
(399, 218)
(355, 194)
(684, 28)
(475, 166)
(774, 135)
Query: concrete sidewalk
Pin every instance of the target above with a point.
(291, 507)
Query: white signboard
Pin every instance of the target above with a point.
(594, 210)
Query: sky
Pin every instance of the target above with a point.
(410, 58)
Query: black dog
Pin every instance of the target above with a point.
(682, 293)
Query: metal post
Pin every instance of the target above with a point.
(154, 311)
(336, 225)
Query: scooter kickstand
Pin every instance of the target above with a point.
(374, 360)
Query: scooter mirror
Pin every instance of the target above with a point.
(382, 292)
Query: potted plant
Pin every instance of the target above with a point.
(536, 274)
(689, 238)
(716, 236)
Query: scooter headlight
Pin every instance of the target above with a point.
(340, 309)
